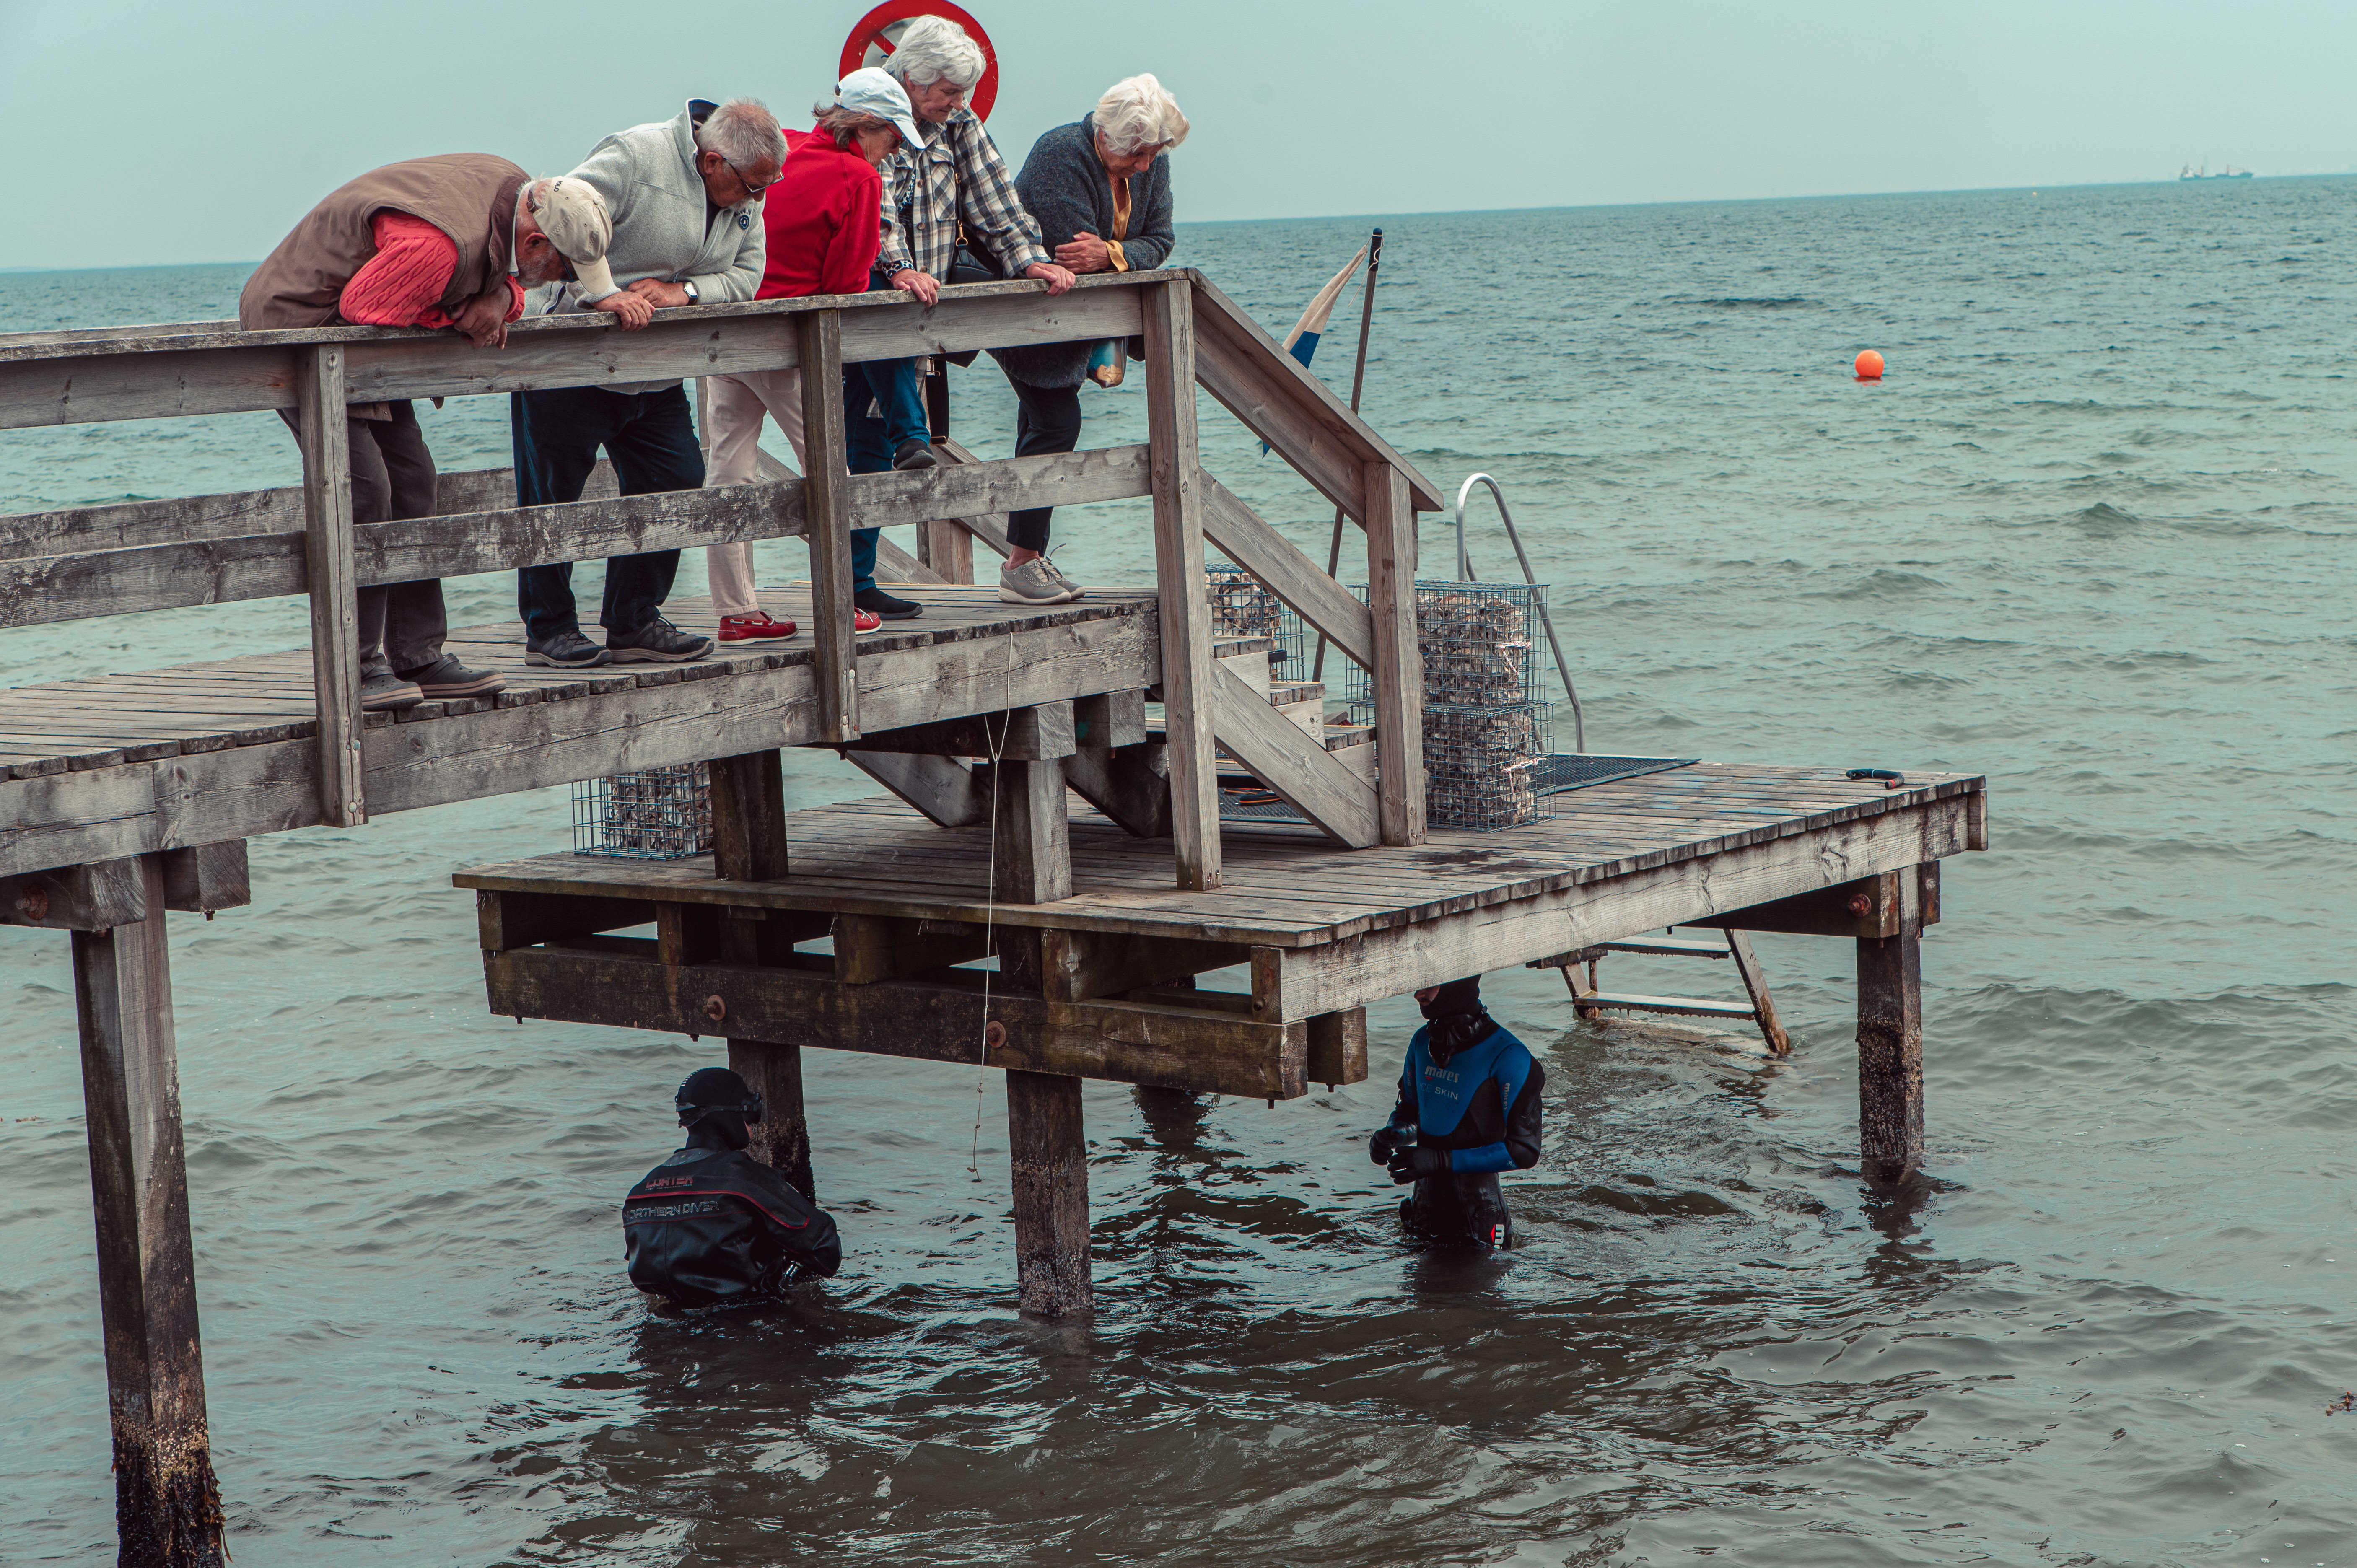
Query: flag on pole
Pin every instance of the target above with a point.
(1302, 341)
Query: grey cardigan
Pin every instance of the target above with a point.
(1066, 189)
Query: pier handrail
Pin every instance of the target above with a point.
(84, 561)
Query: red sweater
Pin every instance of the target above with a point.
(823, 217)
(403, 284)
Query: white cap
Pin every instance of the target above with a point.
(871, 90)
(573, 216)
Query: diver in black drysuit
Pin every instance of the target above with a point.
(714, 1226)
(1469, 1108)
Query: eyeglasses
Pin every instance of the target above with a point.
(751, 190)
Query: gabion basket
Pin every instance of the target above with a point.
(1244, 605)
(655, 814)
(1488, 726)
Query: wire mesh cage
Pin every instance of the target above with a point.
(1489, 728)
(1244, 605)
(655, 814)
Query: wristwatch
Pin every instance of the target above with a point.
(692, 298)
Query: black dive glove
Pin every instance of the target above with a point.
(1389, 1139)
(1414, 1164)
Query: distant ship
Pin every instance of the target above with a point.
(2229, 172)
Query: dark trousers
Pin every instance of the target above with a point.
(651, 436)
(402, 625)
(1048, 420)
(1458, 1213)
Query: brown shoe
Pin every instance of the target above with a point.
(445, 677)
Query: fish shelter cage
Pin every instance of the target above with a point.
(654, 813)
(1489, 728)
(1244, 605)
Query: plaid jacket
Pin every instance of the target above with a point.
(962, 178)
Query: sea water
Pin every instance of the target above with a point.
(2091, 536)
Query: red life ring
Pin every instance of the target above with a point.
(873, 35)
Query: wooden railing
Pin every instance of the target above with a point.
(109, 560)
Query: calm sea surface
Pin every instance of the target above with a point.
(2093, 537)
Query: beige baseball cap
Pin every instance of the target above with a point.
(573, 216)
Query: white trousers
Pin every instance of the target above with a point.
(732, 420)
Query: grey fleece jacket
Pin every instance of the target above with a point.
(1065, 188)
(647, 177)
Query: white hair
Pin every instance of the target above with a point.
(934, 48)
(1136, 114)
(743, 132)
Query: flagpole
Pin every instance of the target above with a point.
(1358, 380)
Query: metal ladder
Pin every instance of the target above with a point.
(1760, 1008)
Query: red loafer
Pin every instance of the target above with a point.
(744, 628)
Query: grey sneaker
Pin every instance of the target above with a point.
(381, 690)
(1070, 588)
(1033, 583)
(566, 650)
(445, 677)
(657, 642)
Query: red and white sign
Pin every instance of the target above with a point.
(873, 38)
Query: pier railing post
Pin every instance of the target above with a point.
(1397, 676)
(1890, 1045)
(826, 504)
(1186, 612)
(332, 579)
(167, 1506)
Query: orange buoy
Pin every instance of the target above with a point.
(1869, 365)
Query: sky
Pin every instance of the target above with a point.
(147, 133)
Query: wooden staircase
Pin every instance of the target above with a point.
(1758, 1007)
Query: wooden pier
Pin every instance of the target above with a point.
(1044, 889)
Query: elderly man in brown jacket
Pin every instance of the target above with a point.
(449, 241)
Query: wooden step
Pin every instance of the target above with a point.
(1297, 691)
(1689, 1007)
(1671, 947)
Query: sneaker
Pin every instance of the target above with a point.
(445, 677)
(381, 690)
(1033, 583)
(865, 621)
(566, 650)
(1058, 572)
(914, 453)
(744, 628)
(878, 603)
(657, 642)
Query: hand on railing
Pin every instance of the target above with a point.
(662, 296)
(924, 285)
(633, 310)
(484, 318)
(1057, 278)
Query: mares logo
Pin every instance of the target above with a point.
(1439, 1072)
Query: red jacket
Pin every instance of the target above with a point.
(824, 219)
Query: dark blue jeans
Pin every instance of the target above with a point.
(651, 436)
(868, 441)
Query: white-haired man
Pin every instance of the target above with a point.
(1100, 190)
(684, 194)
(449, 241)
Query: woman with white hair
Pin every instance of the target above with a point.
(1099, 188)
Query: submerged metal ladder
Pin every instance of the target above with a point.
(1760, 1007)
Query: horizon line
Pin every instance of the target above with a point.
(1460, 212)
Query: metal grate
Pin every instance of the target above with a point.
(655, 814)
(1558, 774)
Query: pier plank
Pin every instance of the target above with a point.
(1186, 677)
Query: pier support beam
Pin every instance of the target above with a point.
(1049, 1152)
(748, 844)
(1890, 1046)
(167, 1504)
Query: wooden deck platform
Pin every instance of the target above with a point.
(118, 765)
(1324, 931)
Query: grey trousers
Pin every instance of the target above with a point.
(402, 625)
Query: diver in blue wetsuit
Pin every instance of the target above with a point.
(1469, 1108)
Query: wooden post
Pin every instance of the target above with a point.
(1890, 1046)
(333, 579)
(1398, 673)
(1755, 985)
(1186, 610)
(1033, 861)
(748, 844)
(948, 549)
(167, 1504)
(826, 504)
(1049, 1153)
